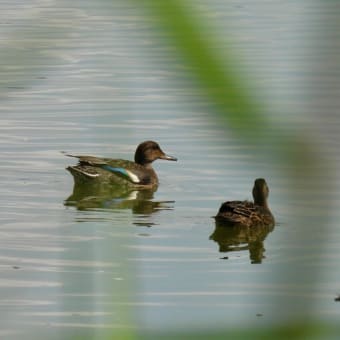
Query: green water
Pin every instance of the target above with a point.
(91, 78)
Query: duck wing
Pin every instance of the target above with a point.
(128, 170)
(89, 160)
(243, 213)
(236, 212)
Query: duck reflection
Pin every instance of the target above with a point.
(102, 196)
(237, 238)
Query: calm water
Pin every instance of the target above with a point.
(91, 78)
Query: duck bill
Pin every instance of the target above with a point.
(168, 158)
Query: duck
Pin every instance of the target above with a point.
(247, 213)
(137, 174)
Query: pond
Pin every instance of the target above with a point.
(91, 78)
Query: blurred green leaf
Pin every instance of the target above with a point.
(218, 74)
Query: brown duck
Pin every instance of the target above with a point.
(246, 213)
(137, 174)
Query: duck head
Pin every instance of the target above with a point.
(260, 192)
(149, 151)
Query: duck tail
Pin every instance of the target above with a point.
(81, 173)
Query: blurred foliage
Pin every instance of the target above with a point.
(221, 78)
(218, 74)
(299, 331)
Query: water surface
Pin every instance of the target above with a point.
(92, 78)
